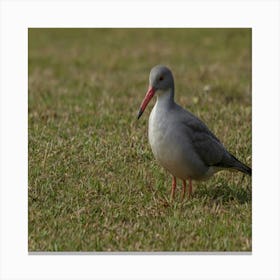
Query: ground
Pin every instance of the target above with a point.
(94, 184)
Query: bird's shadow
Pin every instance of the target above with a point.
(223, 193)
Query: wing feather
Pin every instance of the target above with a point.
(207, 146)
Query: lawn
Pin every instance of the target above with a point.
(94, 184)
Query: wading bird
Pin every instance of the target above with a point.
(180, 141)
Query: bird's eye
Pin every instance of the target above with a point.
(161, 78)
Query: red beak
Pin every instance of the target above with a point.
(149, 95)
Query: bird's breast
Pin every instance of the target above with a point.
(158, 134)
(163, 143)
(171, 147)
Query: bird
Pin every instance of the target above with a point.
(180, 141)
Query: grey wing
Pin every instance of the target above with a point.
(207, 146)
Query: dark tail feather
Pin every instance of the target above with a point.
(242, 167)
(230, 161)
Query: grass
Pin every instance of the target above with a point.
(93, 182)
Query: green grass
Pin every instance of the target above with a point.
(94, 184)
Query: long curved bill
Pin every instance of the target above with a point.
(149, 95)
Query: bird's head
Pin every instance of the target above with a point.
(160, 81)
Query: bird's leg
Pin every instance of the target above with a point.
(190, 188)
(184, 190)
(173, 187)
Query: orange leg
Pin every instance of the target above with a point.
(190, 188)
(173, 187)
(184, 190)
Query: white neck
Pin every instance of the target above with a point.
(165, 98)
